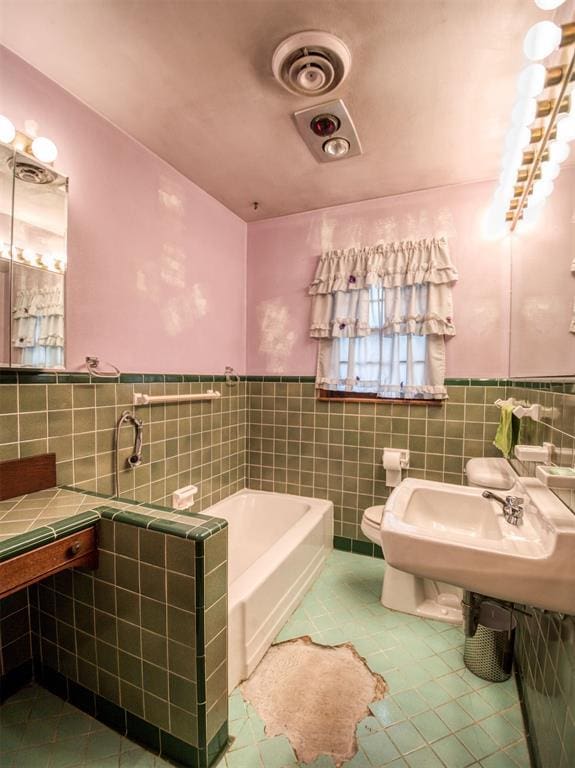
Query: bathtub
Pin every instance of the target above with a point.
(277, 543)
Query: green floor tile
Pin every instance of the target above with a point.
(454, 685)
(387, 711)
(475, 705)
(430, 726)
(411, 702)
(368, 726)
(434, 694)
(477, 741)
(277, 753)
(379, 748)
(498, 760)
(454, 716)
(519, 754)
(424, 758)
(358, 761)
(453, 753)
(500, 730)
(248, 757)
(405, 736)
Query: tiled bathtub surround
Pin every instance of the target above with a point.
(300, 445)
(194, 442)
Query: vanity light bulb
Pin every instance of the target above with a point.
(531, 80)
(44, 150)
(7, 130)
(541, 40)
(532, 212)
(494, 224)
(524, 112)
(542, 189)
(549, 170)
(548, 5)
(558, 151)
(566, 129)
(517, 138)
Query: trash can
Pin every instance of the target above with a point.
(489, 652)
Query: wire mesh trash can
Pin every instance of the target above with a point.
(489, 652)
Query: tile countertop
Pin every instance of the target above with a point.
(35, 519)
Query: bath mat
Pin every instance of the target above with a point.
(315, 695)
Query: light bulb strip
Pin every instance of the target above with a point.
(558, 106)
(32, 259)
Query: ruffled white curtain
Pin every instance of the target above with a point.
(381, 315)
(38, 326)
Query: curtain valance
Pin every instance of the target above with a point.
(415, 278)
(398, 264)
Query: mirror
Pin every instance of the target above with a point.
(6, 189)
(32, 297)
(543, 288)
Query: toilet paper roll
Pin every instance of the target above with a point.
(392, 460)
(392, 477)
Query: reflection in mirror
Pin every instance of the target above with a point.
(6, 189)
(543, 288)
(38, 265)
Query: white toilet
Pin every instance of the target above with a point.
(425, 597)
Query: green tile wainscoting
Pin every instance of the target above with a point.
(271, 433)
(195, 442)
(546, 641)
(140, 643)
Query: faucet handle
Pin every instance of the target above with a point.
(515, 501)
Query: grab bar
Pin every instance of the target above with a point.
(140, 398)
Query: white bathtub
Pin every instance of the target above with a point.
(276, 545)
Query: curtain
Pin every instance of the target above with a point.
(38, 326)
(381, 315)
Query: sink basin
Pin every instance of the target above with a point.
(452, 534)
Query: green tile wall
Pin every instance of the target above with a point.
(143, 631)
(546, 641)
(297, 444)
(195, 442)
(272, 434)
(15, 638)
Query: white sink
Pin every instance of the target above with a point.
(452, 534)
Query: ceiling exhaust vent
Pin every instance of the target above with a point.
(311, 63)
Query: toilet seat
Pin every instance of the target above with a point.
(371, 523)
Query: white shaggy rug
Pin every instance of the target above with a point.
(315, 695)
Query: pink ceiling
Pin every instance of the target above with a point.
(430, 90)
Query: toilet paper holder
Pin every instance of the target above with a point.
(390, 456)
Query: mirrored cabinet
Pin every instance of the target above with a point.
(33, 225)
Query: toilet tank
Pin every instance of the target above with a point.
(489, 473)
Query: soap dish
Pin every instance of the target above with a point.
(556, 477)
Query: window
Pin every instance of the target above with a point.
(381, 315)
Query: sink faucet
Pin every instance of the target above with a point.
(512, 506)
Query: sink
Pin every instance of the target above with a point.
(451, 533)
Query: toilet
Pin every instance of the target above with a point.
(425, 597)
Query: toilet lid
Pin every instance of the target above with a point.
(374, 515)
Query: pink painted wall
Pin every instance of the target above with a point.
(544, 288)
(157, 267)
(283, 252)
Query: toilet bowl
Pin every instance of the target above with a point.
(412, 594)
(424, 597)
